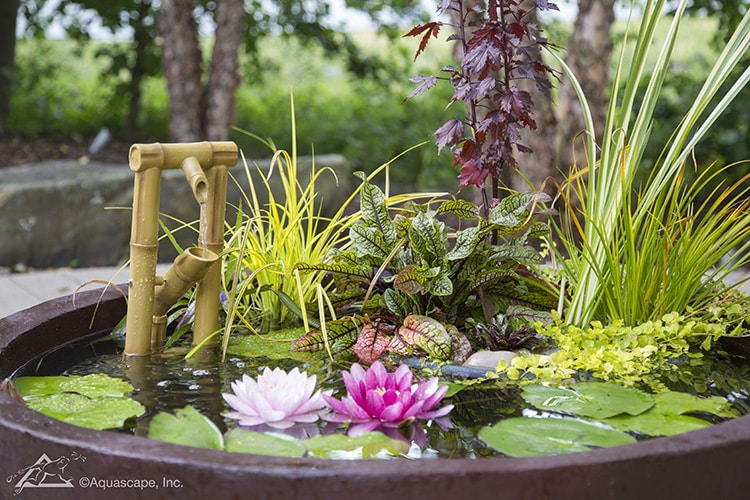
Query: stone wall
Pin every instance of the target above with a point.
(63, 213)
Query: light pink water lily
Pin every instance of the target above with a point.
(278, 399)
(377, 398)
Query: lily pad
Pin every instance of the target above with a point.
(94, 386)
(655, 424)
(94, 413)
(366, 445)
(274, 345)
(258, 443)
(589, 399)
(679, 403)
(526, 437)
(96, 401)
(187, 426)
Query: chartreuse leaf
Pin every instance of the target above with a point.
(258, 443)
(589, 399)
(187, 426)
(526, 437)
(96, 401)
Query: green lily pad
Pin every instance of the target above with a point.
(366, 445)
(187, 426)
(330, 446)
(274, 345)
(526, 437)
(655, 424)
(96, 401)
(94, 386)
(679, 403)
(94, 413)
(589, 399)
(257, 443)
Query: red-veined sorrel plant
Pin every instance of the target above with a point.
(500, 52)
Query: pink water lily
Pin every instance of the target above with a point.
(377, 398)
(278, 399)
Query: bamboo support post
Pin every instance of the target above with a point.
(205, 165)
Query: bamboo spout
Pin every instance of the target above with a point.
(188, 269)
(205, 165)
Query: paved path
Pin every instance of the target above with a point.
(19, 291)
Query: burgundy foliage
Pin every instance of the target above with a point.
(498, 53)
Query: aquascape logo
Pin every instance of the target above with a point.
(44, 473)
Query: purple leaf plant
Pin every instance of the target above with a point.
(499, 52)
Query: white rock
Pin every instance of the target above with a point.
(488, 359)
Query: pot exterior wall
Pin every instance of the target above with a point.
(709, 463)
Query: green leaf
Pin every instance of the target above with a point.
(369, 241)
(589, 399)
(679, 403)
(342, 334)
(274, 345)
(460, 208)
(655, 424)
(375, 212)
(410, 280)
(442, 286)
(257, 443)
(96, 401)
(526, 437)
(94, 413)
(428, 237)
(366, 445)
(188, 427)
(466, 241)
(94, 385)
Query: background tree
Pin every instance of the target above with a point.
(8, 12)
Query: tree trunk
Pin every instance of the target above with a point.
(589, 50)
(8, 13)
(141, 40)
(182, 69)
(224, 77)
(535, 168)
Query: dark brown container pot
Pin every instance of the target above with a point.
(712, 463)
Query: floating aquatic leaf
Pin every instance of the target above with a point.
(679, 403)
(93, 385)
(93, 413)
(655, 424)
(257, 443)
(525, 437)
(590, 399)
(274, 345)
(367, 445)
(96, 401)
(187, 426)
